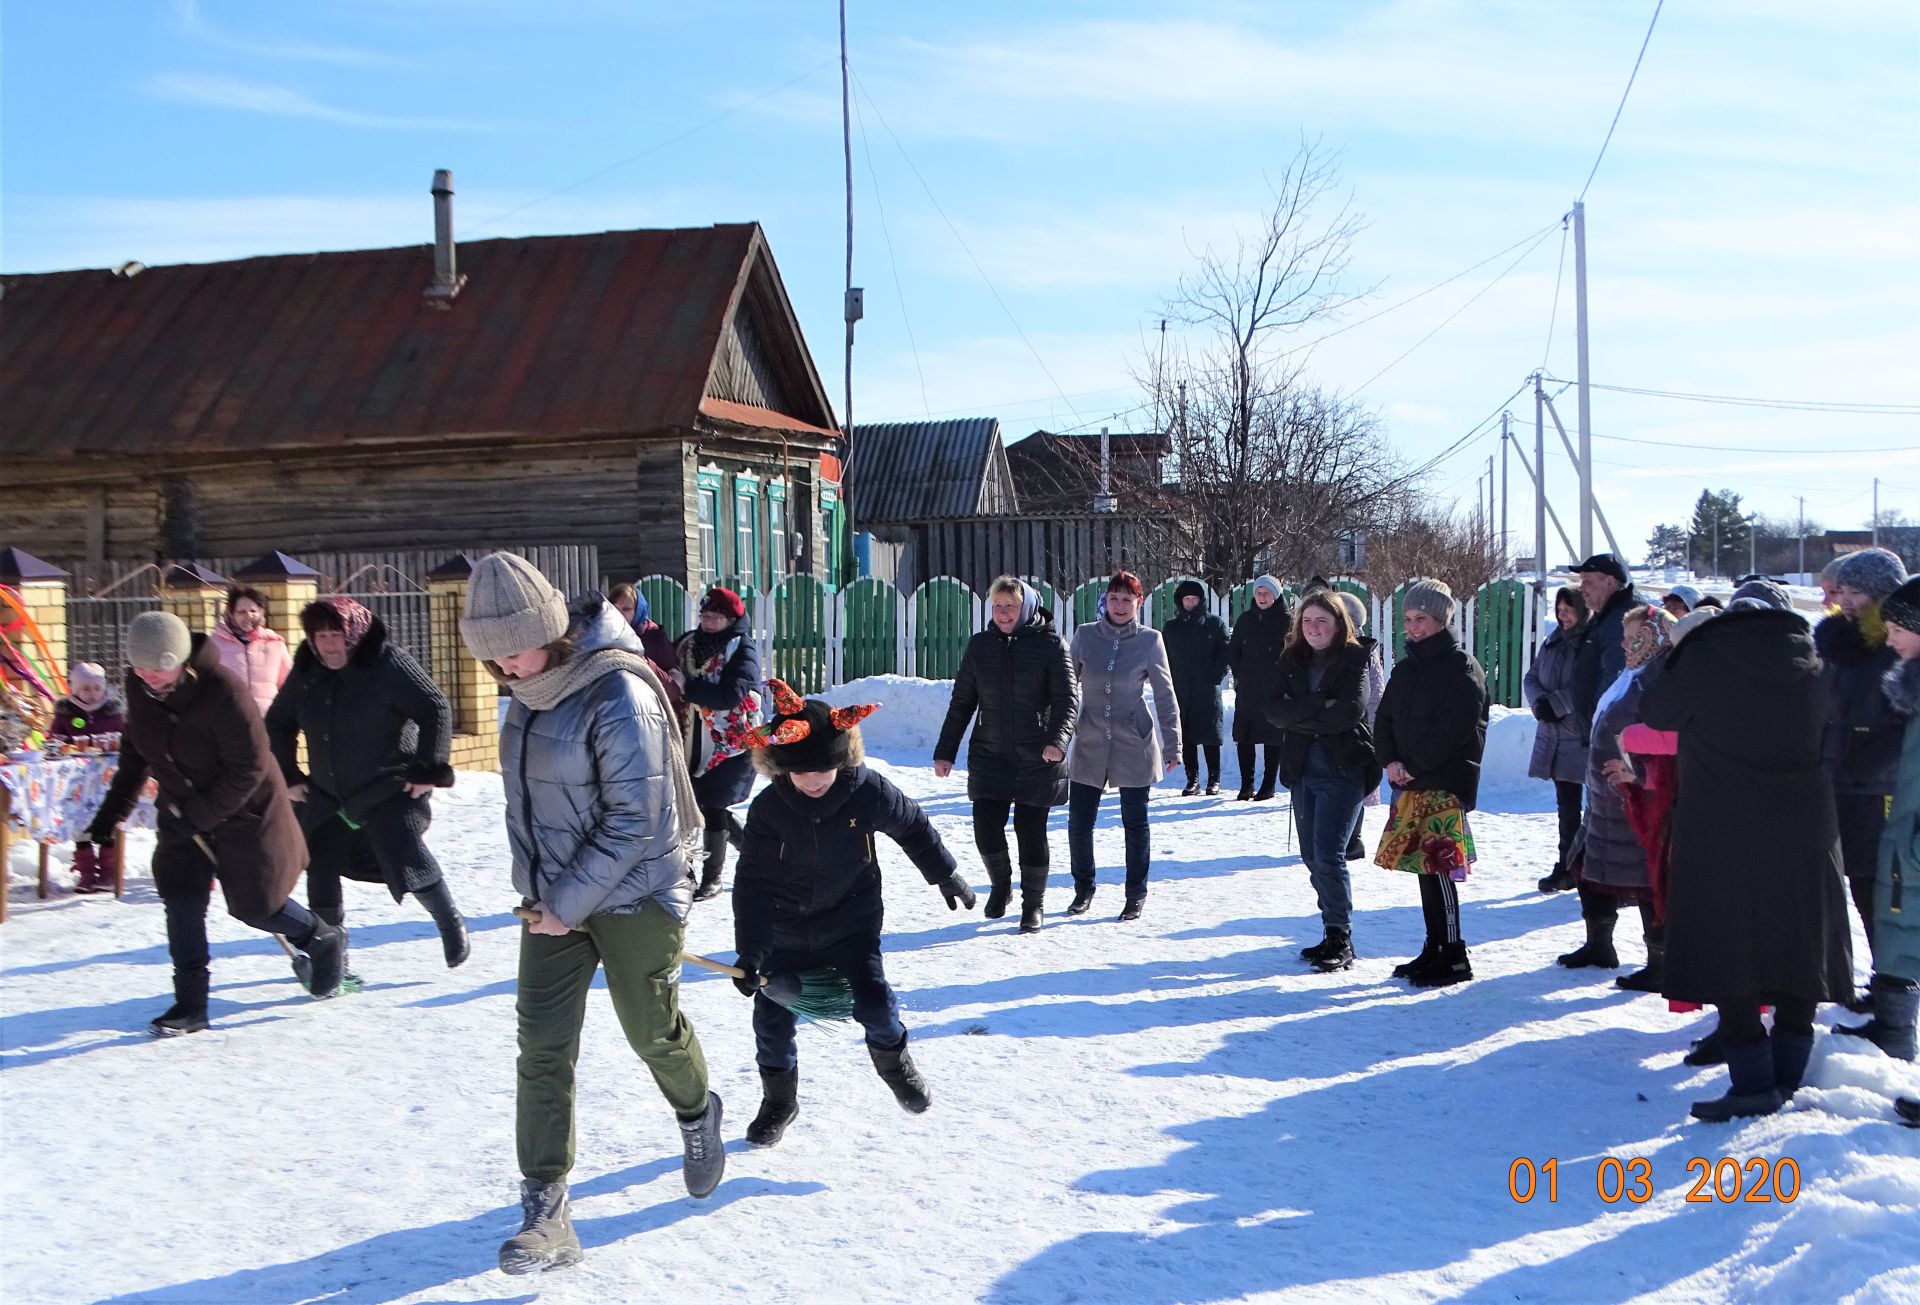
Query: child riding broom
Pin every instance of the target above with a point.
(808, 891)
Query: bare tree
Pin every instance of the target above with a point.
(1413, 538)
(1270, 469)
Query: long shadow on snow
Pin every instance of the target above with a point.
(1402, 1170)
(363, 936)
(410, 1260)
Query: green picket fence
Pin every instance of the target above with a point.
(667, 600)
(869, 629)
(943, 611)
(799, 636)
(1500, 632)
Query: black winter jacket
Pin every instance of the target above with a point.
(1861, 745)
(374, 726)
(1433, 717)
(1334, 715)
(1602, 655)
(809, 874)
(1197, 655)
(1253, 654)
(1022, 689)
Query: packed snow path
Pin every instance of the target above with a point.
(1173, 1110)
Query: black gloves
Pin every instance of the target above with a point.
(1543, 711)
(750, 982)
(956, 891)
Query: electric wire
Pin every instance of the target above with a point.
(1658, 4)
(1785, 405)
(1553, 318)
(873, 179)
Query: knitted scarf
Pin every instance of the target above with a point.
(551, 687)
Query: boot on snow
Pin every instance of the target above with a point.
(1193, 787)
(1132, 909)
(1332, 953)
(1449, 965)
(715, 865)
(1558, 880)
(1213, 786)
(1356, 847)
(705, 1159)
(1406, 969)
(86, 864)
(1710, 1050)
(1597, 952)
(1754, 1089)
(1896, 1008)
(1000, 883)
(1791, 1051)
(779, 1103)
(454, 944)
(896, 1069)
(188, 1014)
(546, 1239)
(1649, 977)
(1082, 900)
(326, 958)
(1033, 897)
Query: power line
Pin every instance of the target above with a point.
(498, 218)
(1542, 235)
(1788, 405)
(1553, 318)
(873, 179)
(1462, 442)
(985, 279)
(1658, 4)
(1742, 448)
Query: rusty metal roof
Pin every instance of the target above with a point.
(904, 471)
(614, 333)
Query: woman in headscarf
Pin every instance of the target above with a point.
(1253, 654)
(1017, 679)
(1560, 738)
(1608, 860)
(717, 675)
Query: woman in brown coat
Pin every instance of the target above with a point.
(224, 812)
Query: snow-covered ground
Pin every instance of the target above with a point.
(1175, 1110)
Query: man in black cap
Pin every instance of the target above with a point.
(1607, 590)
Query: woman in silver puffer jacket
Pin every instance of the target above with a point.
(602, 823)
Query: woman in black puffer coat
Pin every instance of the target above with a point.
(718, 679)
(1253, 654)
(1017, 677)
(378, 731)
(1196, 642)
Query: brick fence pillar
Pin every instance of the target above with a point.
(195, 595)
(470, 690)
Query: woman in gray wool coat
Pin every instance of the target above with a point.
(1115, 658)
(1560, 739)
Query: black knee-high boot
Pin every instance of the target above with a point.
(715, 866)
(453, 929)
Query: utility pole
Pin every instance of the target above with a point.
(1876, 512)
(1582, 375)
(1753, 544)
(1506, 437)
(1716, 544)
(1539, 488)
(854, 306)
(1801, 530)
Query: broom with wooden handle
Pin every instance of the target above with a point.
(820, 995)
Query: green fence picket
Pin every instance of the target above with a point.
(943, 622)
(870, 629)
(1086, 602)
(667, 601)
(800, 633)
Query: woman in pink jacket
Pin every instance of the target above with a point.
(249, 649)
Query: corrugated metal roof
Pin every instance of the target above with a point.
(613, 333)
(906, 471)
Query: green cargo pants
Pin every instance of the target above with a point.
(642, 956)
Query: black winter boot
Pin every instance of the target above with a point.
(779, 1103)
(1193, 786)
(705, 1158)
(1334, 953)
(1559, 880)
(1356, 848)
(446, 916)
(188, 1014)
(1213, 786)
(1450, 965)
(1896, 1004)
(1000, 880)
(1033, 897)
(546, 1239)
(1754, 1091)
(736, 833)
(1908, 1109)
(896, 1070)
(1649, 977)
(1132, 909)
(326, 958)
(1406, 969)
(1597, 952)
(715, 865)
(1082, 900)
(1710, 1050)
(1791, 1051)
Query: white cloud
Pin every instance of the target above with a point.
(194, 23)
(214, 91)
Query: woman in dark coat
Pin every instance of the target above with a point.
(1560, 739)
(1608, 857)
(717, 675)
(1326, 758)
(1756, 907)
(1429, 735)
(1017, 677)
(224, 814)
(1196, 642)
(1253, 654)
(378, 732)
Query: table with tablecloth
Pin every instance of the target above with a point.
(54, 799)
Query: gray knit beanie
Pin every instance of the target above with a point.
(1760, 593)
(1356, 610)
(1430, 596)
(511, 608)
(158, 641)
(1873, 571)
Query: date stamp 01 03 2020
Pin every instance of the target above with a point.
(1725, 1181)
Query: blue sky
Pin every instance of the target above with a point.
(1754, 229)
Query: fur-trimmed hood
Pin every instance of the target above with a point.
(1902, 686)
(775, 762)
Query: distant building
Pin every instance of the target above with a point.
(1055, 473)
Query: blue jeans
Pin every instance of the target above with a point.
(1326, 809)
(1083, 808)
(874, 1004)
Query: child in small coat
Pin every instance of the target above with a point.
(808, 891)
(90, 709)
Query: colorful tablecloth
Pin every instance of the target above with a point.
(54, 800)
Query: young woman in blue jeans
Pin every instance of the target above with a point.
(1326, 757)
